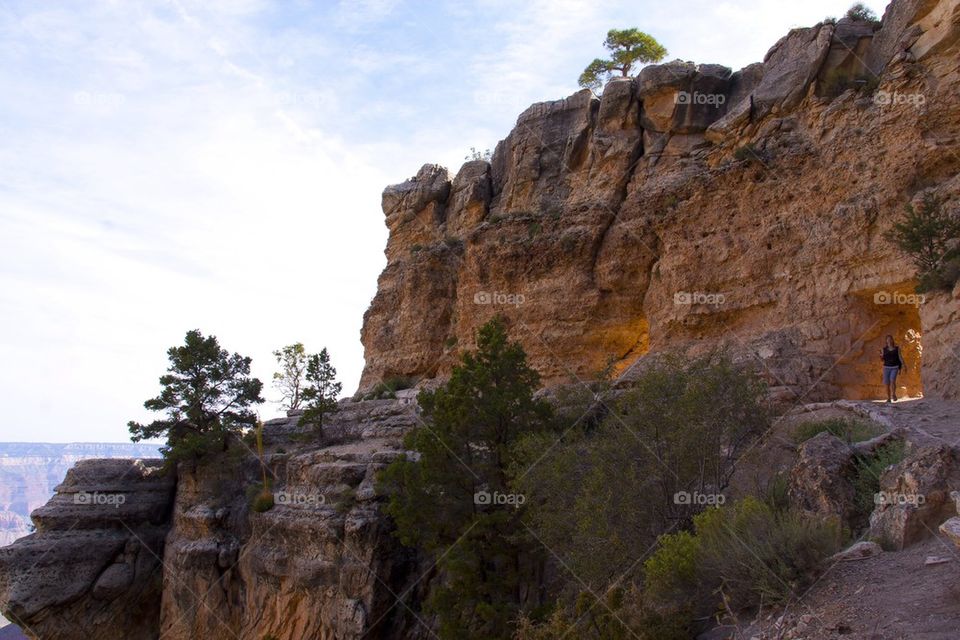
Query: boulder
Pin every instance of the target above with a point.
(820, 480)
(915, 497)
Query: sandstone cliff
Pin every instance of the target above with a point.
(690, 207)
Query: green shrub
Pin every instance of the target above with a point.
(746, 554)
(866, 480)
(387, 388)
(929, 235)
(680, 428)
(621, 615)
(670, 574)
(847, 429)
(260, 498)
(859, 12)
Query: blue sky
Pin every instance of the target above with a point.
(218, 165)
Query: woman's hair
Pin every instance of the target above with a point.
(889, 338)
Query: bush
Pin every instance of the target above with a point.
(930, 236)
(746, 554)
(862, 13)
(621, 615)
(681, 428)
(866, 480)
(387, 388)
(260, 498)
(847, 429)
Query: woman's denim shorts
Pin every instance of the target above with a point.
(890, 374)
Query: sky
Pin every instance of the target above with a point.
(218, 165)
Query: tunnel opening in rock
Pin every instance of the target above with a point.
(873, 315)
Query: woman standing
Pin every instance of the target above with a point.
(892, 364)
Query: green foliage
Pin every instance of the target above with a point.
(387, 388)
(627, 48)
(475, 154)
(320, 394)
(603, 494)
(866, 479)
(930, 236)
(859, 12)
(619, 614)
(671, 572)
(290, 379)
(262, 501)
(745, 554)
(464, 447)
(206, 394)
(776, 493)
(847, 429)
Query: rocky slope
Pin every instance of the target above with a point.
(687, 208)
(690, 207)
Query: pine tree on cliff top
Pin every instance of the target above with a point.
(627, 47)
(207, 393)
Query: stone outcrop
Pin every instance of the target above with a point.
(915, 497)
(93, 567)
(689, 208)
(321, 563)
(821, 479)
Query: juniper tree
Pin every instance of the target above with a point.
(206, 394)
(320, 394)
(444, 501)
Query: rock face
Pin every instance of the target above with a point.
(321, 563)
(688, 208)
(29, 471)
(915, 497)
(93, 567)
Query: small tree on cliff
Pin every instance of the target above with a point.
(445, 500)
(207, 393)
(930, 235)
(320, 394)
(627, 48)
(289, 381)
